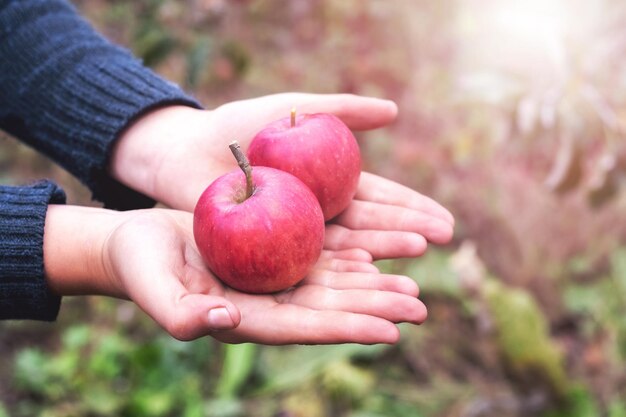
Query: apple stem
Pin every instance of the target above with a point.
(244, 164)
(293, 117)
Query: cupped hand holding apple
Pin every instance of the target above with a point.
(171, 154)
(150, 257)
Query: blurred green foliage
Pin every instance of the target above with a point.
(523, 337)
(608, 316)
(519, 134)
(108, 374)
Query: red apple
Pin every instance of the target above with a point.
(261, 231)
(319, 149)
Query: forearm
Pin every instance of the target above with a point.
(74, 238)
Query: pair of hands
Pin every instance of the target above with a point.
(149, 256)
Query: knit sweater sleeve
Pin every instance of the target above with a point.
(69, 93)
(24, 293)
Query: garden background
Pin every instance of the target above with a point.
(511, 114)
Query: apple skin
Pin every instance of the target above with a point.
(320, 150)
(265, 243)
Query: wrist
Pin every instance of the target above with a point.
(139, 154)
(73, 248)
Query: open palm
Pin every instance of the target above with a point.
(153, 258)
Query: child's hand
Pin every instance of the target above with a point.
(149, 257)
(389, 220)
(174, 153)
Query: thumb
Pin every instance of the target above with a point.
(195, 315)
(187, 316)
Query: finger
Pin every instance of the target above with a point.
(292, 324)
(363, 281)
(184, 315)
(348, 260)
(381, 190)
(357, 112)
(188, 316)
(388, 305)
(365, 215)
(354, 254)
(380, 244)
(196, 315)
(339, 265)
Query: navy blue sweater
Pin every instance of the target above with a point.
(67, 92)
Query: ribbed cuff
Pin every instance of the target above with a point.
(106, 97)
(24, 293)
(100, 97)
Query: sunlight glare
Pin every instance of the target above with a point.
(532, 38)
(533, 22)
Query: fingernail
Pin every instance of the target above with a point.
(220, 319)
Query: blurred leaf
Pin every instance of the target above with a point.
(434, 273)
(387, 406)
(64, 366)
(468, 267)
(153, 43)
(603, 185)
(600, 105)
(197, 60)
(119, 12)
(579, 403)
(566, 172)
(294, 366)
(109, 356)
(523, 337)
(76, 337)
(583, 298)
(347, 382)
(101, 400)
(527, 115)
(147, 356)
(597, 297)
(30, 370)
(190, 389)
(238, 365)
(151, 403)
(580, 264)
(361, 413)
(237, 55)
(618, 267)
(232, 61)
(601, 303)
(617, 408)
(224, 407)
(305, 401)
